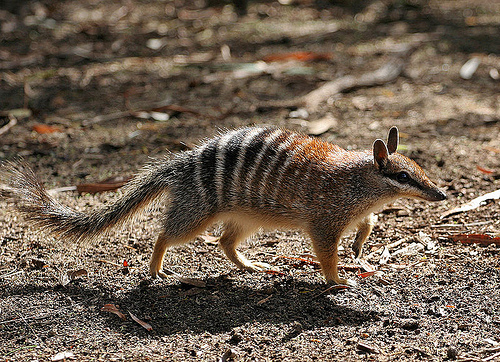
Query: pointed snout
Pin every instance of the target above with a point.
(436, 195)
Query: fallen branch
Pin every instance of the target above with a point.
(385, 74)
(473, 204)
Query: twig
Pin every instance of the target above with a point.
(12, 123)
(115, 115)
(493, 356)
(333, 287)
(478, 223)
(11, 274)
(109, 262)
(24, 319)
(385, 74)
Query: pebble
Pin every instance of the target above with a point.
(469, 68)
(451, 353)
(494, 74)
(301, 113)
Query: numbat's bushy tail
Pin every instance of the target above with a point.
(30, 197)
(247, 178)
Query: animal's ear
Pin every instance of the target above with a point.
(393, 140)
(380, 154)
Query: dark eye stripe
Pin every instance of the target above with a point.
(409, 181)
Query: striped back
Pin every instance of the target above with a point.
(254, 168)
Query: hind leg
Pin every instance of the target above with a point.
(234, 234)
(169, 237)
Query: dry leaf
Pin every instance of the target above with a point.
(298, 56)
(45, 128)
(366, 266)
(348, 267)
(484, 170)
(142, 323)
(62, 356)
(190, 281)
(476, 239)
(273, 272)
(366, 274)
(71, 275)
(321, 125)
(386, 255)
(473, 204)
(113, 309)
(109, 184)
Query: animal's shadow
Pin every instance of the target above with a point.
(221, 307)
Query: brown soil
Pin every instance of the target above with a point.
(70, 62)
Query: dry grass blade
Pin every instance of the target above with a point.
(145, 325)
(333, 287)
(385, 74)
(492, 357)
(262, 301)
(302, 260)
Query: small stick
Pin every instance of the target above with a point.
(12, 123)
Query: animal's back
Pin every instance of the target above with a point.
(265, 169)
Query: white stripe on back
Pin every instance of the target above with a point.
(268, 142)
(197, 175)
(283, 168)
(220, 161)
(270, 167)
(247, 140)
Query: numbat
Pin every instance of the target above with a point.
(247, 178)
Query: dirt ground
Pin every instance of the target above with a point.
(104, 85)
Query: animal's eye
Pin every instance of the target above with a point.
(403, 177)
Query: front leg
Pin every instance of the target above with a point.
(364, 229)
(325, 244)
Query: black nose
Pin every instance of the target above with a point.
(441, 195)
